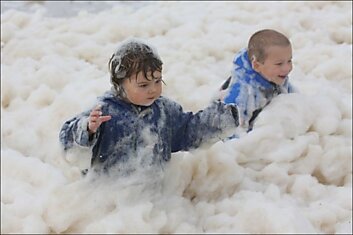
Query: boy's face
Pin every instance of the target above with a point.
(277, 65)
(141, 91)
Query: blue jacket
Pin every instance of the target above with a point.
(249, 90)
(146, 136)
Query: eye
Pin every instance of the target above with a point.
(279, 64)
(159, 80)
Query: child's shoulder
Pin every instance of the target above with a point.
(168, 104)
(106, 98)
(109, 99)
(166, 101)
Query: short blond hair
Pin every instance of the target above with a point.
(261, 40)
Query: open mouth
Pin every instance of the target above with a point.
(282, 77)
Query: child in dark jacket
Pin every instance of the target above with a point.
(260, 73)
(133, 126)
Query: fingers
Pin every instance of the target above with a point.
(105, 118)
(95, 119)
(95, 114)
(96, 111)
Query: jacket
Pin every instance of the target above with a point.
(138, 136)
(249, 90)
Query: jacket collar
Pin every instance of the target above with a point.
(141, 110)
(242, 62)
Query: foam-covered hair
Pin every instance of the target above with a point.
(131, 57)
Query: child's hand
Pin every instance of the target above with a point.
(95, 119)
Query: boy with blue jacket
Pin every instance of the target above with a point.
(133, 126)
(260, 73)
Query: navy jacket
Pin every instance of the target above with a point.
(146, 136)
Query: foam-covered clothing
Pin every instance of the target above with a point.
(249, 90)
(146, 135)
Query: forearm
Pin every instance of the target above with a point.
(75, 132)
(82, 135)
(214, 123)
(217, 122)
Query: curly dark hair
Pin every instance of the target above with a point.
(132, 57)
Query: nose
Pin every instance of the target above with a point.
(152, 89)
(288, 67)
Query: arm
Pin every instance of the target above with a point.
(74, 131)
(206, 126)
(82, 129)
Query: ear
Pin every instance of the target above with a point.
(255, 64)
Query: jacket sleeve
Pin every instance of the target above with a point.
(214, 123)
(238, 94)
(74, 131)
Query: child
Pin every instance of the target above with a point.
(134, 126)
(260, 73)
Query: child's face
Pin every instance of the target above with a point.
(141, 91)
(277, 65)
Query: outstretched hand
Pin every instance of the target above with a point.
(95, 119)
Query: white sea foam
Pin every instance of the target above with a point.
(291, 174)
